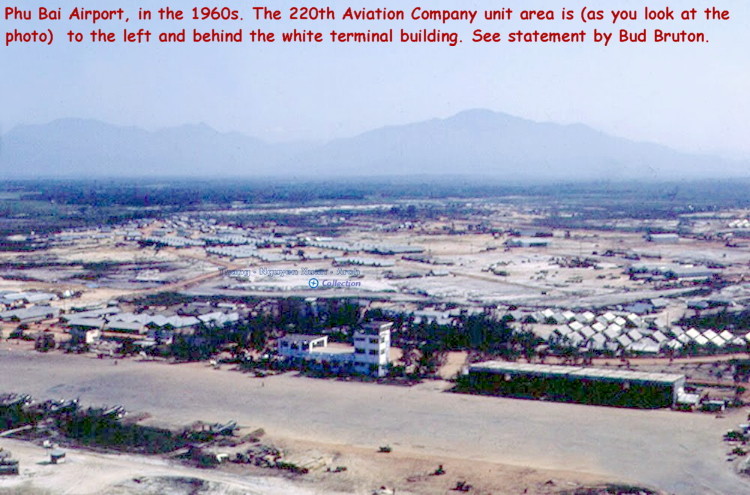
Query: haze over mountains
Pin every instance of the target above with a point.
(474, 142)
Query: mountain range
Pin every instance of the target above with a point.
(473, 142)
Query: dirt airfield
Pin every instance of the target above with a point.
(498, 445)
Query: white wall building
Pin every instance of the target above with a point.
(298, 345)
(372, 348)
(370, 355)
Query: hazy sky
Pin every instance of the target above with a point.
(689, 96)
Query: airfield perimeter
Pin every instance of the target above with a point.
(672, 451)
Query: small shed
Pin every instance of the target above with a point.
(57, 456)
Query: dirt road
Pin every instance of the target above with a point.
(678, 452)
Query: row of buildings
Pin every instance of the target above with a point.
(633, 333)
(12, 300)
(369, 353)
(144, 328)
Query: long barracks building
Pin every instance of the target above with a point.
(599, 386)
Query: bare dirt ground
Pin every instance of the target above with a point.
(88, 473)
(414, 473)
(85, 472)
(454, 362)
(677, 452)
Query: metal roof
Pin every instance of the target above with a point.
(124, 325)
(32, 312)
(575, 371)
(86, 322)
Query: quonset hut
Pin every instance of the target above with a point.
(606, 387)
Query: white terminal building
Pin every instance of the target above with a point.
(370, 354)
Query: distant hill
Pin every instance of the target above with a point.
(74, 147)
(474, 142)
